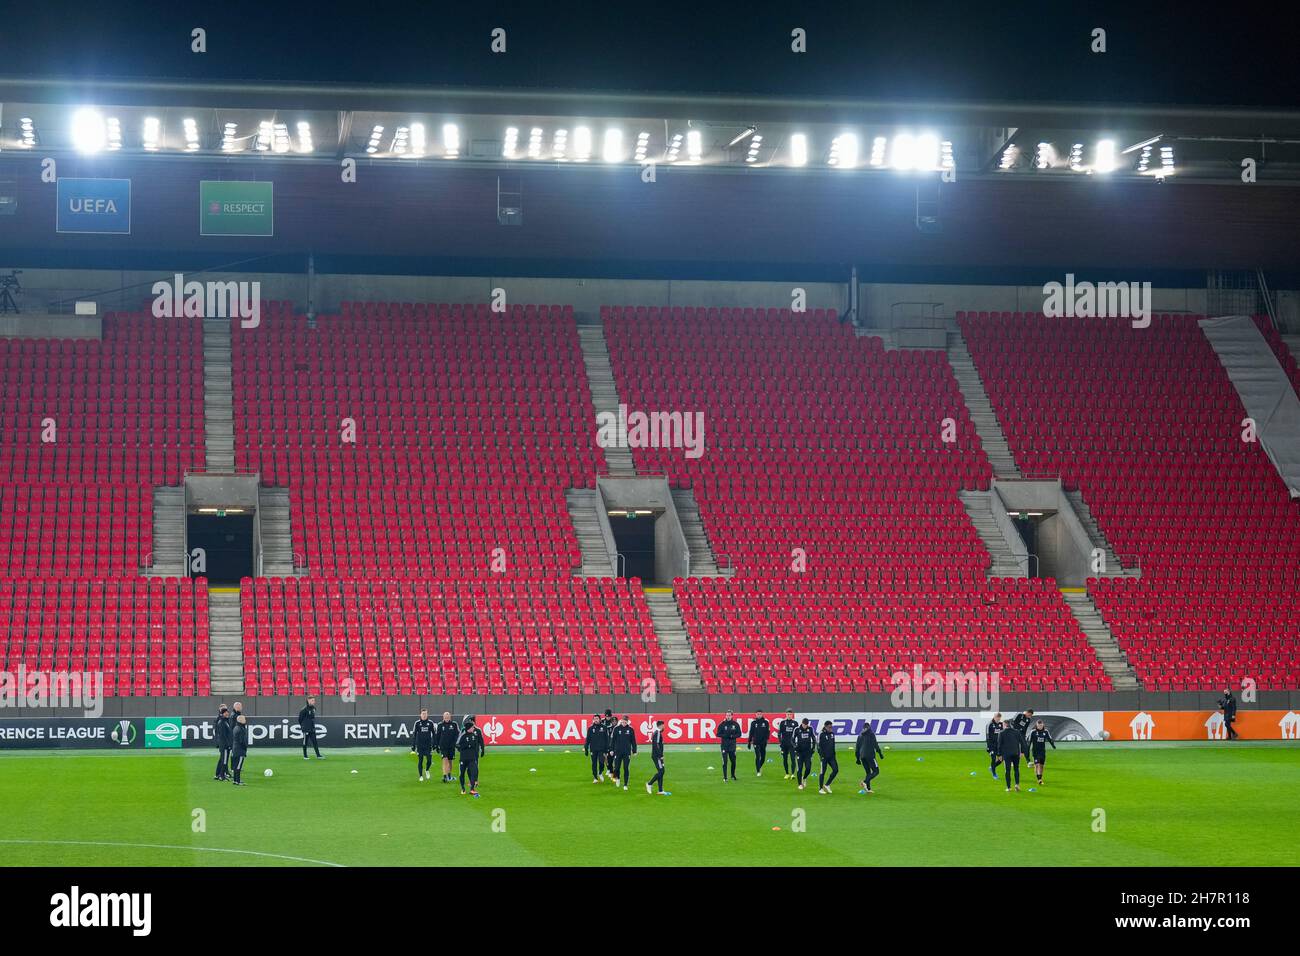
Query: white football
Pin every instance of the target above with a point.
(268, 772)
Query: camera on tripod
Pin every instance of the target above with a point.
(8, 286)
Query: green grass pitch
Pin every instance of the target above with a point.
(1191, 804)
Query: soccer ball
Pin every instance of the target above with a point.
(268, 772)
(1105, 735)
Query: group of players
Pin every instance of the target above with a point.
(611, 742)
(1006, 741)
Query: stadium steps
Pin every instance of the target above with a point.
(218, 407)
(604, 392)
(226, 641)
(704, 563)
(674, 642)
(586, 524)
(991, 436)
(277, 544)
(1114, 568)
(1113, 660)
(168, 533)
(1002, 560)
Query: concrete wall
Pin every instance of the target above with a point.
(1064, 548)
(672, 555)
(32, 325)
(632, 703)
(888, 305)
(131, 289)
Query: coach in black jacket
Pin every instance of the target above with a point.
(225, 740)
(471, 746)
(865, 752)
(1011, 745)
(657, 756)
(307, 721)
(239, 749)
(423, 734)
(1228, 705)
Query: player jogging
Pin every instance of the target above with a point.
(448, 734)
(804, 742)
(865, 752)
(826, 750)
(423, 736)
(1039, 738)
(728, 734)
(991, 734)
(760, 732)
(785, 738)
(471, 747)
(624, 746)
(657, 756)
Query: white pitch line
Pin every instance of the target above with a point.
(167, 846)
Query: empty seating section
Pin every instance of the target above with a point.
(420, 444)
(87, 428)
(1281, 350)
(830, 478)
(1147, 425)
(813, 639)
(149, 637)
(447, 637)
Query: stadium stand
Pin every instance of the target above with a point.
(825, 442)
(87, 427)
(1147, 425)
(469, 426)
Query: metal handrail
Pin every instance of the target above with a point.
(932, 305)
(620, 564)
(718, 559)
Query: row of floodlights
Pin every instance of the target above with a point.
(1105, 157)
(93, 132)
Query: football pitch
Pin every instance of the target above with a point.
(1112, 804)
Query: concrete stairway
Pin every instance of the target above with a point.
(703, 562)
(169, 560)
(1113, 566)
(277, 544)
(226, 634)
(1113, 660)
(674, 644)
(218, 409)
(981, 409)
(1002, 560)
(582, 511)
(1293, 343)
(604, 393)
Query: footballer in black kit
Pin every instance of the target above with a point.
(596, 746)
(760, 732)
(728, 734)
(470, 746)
(991, 734)
(826, 750)
(866, 751)
(657, 757)
(785, 738)
(448, 734)
(804, 742)
(1039, 738)
(307, 721)
(424, 734)
(225, 741)
(623, 746)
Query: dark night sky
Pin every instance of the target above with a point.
(1016, 51)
